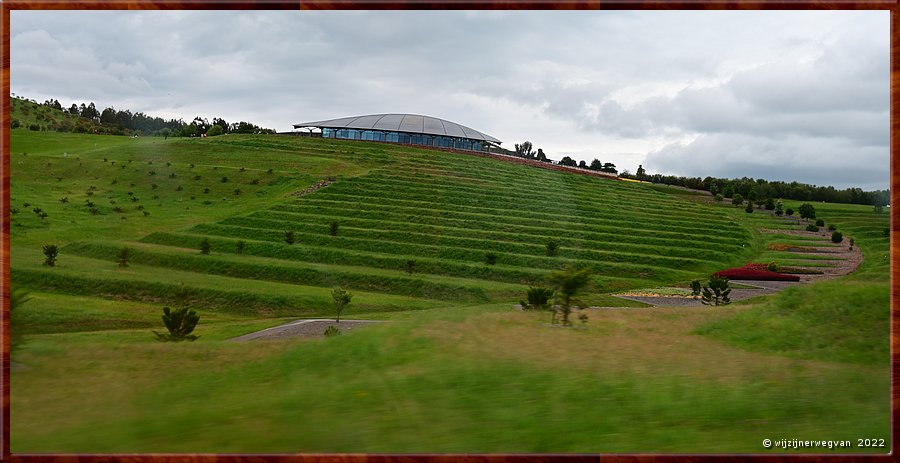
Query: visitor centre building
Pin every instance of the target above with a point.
(409, 129)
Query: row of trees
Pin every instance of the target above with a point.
(761, 188)
(141, 123)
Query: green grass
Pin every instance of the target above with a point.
(457, 369)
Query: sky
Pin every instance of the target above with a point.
(780, 95)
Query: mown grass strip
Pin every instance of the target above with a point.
(255, 268)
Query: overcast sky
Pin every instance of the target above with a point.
(767, 94)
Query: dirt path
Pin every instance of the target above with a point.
(304, 328)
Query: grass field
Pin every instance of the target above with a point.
(457, 369)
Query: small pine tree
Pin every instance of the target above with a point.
(749, 208)
(333, 228)
(770, 204)
(552, 248)
(289, 237)
(789, 211)
(205, 246)
(820, 223)
(241, 244)
(717, 291)
(341, 298)
(490, 258)
(410, 266)
(51, 252)
(779, 208)
(180, 324)
(695, 289)
(123, 256)
(812, 228)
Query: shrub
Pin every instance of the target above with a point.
(179, 188)
(820, 223)
(837, 237)
(490, 258)
(123, 256)
(770, 204)
(719, 198)
(832, 227)
(205, 246)
(737, 200)
(341, 298)
(237, 191)
(206, 190)
(172, 175)
(269, 171)
(410, 266)
(224, 179)
(180, 323)
(196, 177)
(812, 228)
(886, 232)
(154, 186)
(289, 237)
(332, 331)
(51, 252)
(333, 228)
(241, 244)
(552, 248)
(749, 208)
(717, 291)
(538, 298)
(852, 242)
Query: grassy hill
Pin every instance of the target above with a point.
(457, 369)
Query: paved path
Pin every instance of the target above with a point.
(304, 328)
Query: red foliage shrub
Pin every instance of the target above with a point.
(757, 272)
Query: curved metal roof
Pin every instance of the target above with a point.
(411, 123)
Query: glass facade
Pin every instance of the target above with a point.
(407, 138)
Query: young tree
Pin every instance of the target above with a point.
(837, 237)
(737, 199)
(719, 198)
(568, 283)
(123, 256)
(490, 258)
(241, 244)
(341, 298)
(582, 164)
(609, 167)
(552, 248)
(717, 292)
(789, 212)
(51, 251)
(524, 150)
(596, 164)
(641, 174)
(695, 288)
(205, 246)
(749, 208)
(807, 211)
(779, 208)
(770, 204)
(289, 237)
(410, 266)
(180, 324)
(333, 228)
(215, 130)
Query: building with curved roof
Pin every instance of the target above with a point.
(411, 129)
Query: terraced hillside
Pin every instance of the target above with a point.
(414, 228)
